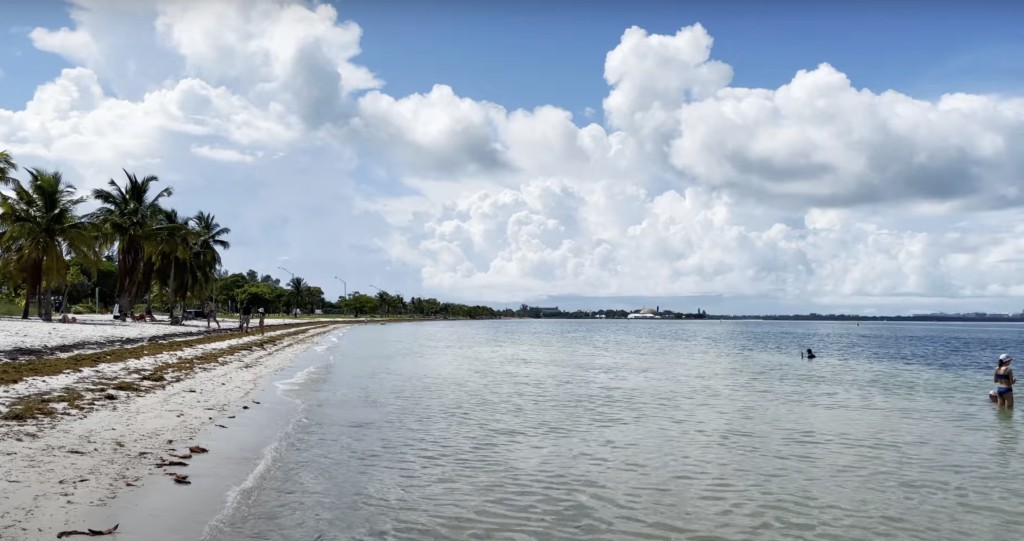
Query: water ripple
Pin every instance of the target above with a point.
(666, 431)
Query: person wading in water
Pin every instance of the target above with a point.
(1004, 381)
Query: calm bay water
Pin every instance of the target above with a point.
(644, 430)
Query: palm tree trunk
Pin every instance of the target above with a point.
(28, 302)
(64, 300)
(124, 302)
(170, 291)
(46, 312)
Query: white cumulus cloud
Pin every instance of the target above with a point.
(817, 190)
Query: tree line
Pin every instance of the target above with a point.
(47, 244)
(264, 290)
(134, 248)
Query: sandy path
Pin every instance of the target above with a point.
(52, 470)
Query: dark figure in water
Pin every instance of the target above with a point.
(810, 354)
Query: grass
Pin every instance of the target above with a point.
(13, 310)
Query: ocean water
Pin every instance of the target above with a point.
(696, 430)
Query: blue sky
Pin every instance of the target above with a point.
(528, 53)
(533, 52)
(833, 190)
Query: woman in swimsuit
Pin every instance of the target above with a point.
(1004, 382)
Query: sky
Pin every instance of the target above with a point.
(741, 157)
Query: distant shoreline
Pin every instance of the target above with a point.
(855, 319)
(930, 319)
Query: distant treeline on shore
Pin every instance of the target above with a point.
(538, 312)
(986, 318)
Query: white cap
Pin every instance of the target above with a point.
(1005, 357)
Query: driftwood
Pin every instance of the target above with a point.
(198, 450)
(183, 457)
(222, 426)
(180, 479)
(90, 532)
(166, 463)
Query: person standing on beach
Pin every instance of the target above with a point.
(211, 313)
(244, 317)
(263, 316)
(1004, 381)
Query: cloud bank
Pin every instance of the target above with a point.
(816, 190)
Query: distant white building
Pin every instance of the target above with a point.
(645, 313)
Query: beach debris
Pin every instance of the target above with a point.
(198, 450)
(89, 532)
(76, 452)
(181, 479)
(110, 396)
(245, 407)
(130, 484)
(182, 456)
(190, 391)
(167, 463)
(255, 401)
(231, 416)
(222, 426)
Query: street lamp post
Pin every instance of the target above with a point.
(381, 309)
(345, 284)
(293, 278)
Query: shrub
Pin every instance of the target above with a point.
(84, 308)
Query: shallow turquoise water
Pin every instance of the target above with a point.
(646, 430)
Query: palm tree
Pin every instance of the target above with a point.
(7, 166)
(129, 216)
(383, 299)
(39, 229)
(297, 286)
(171, 253)
(207, 238)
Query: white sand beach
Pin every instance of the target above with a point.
(61, 468)
(97, 329)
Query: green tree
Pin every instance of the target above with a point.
(359, 303)
(40, 229)
(383, 301)
(129, 217)
(170, 252)
(297, 287)
(252, 276)
(314, 298)
(270, 297)
(7, 166)
(207, 240)
(229, 289)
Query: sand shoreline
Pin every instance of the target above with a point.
(61, 470)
